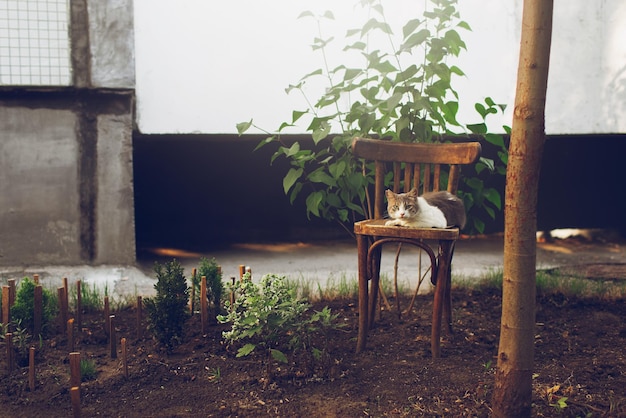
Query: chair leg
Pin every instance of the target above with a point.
(441, 294)
(447, 301)
(361, 244)
(374, 274)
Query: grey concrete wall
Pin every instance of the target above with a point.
(115, 218)
(66, 170)
(39, 204)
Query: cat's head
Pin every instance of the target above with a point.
(402, 205)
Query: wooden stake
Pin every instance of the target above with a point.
(12, 292)
(139, 317)
(204, 308)
(242, 271)
(107, 315)
(124, 358)
(75, 376)
(8, 342)
(31, 369)
(36, 278)
(75, 397)
(79, 305)
(70, 334)
(112, 337)
(66, 293)
(62, 306)
(193, 290)
(37, 309)
(5, 306)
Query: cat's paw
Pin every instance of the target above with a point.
(393, 222)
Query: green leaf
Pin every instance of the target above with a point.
(297, 114)
(320, 176)
(490, 212)
(294, 192)
(478, 128)
(495, 139)
(311, 74)
(415, 40)
(410, 27)
(479, 225)
(493, 196)
(292, 150)
(292, 176)
(283, 126)
(265, 142)
(245, 350)
(455, 43)
(337, 169)
(385, 67)
(407, 74)
(488, 162)
(357, 45)
(351, 73)
(464, 25)
(456, 70)
(321, 132)
(306, 13)
(278, 355)
(376, 24)
(243, 126)
(451, 109)
(474, 183)
(313, 202)
(393, 101)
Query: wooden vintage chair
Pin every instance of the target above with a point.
(413, 165)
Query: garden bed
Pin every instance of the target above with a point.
(579, 360)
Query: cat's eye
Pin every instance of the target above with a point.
(395, 207)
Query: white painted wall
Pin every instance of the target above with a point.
(203, 66)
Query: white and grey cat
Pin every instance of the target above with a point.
(431, 210)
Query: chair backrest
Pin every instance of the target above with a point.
(417, 165)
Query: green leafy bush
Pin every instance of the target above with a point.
(271, 316)
(23, 311)
(20, 339)
(215, 287)
(168, 310)
(262, 313)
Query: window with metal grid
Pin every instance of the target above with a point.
(34, 43)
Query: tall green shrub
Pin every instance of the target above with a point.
(167, 311)
(215, 287)
(403, 92)
(24, 307)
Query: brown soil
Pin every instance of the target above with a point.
(579, 355)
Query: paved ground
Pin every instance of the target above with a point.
(322, 262)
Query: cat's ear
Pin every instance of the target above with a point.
(389, 194)
(412, 192)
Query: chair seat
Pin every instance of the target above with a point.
(377, 228)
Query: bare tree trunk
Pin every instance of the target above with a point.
(513, 385)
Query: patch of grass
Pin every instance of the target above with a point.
(551, 282)
(88, 370)
(91, 298)
(339, 288)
